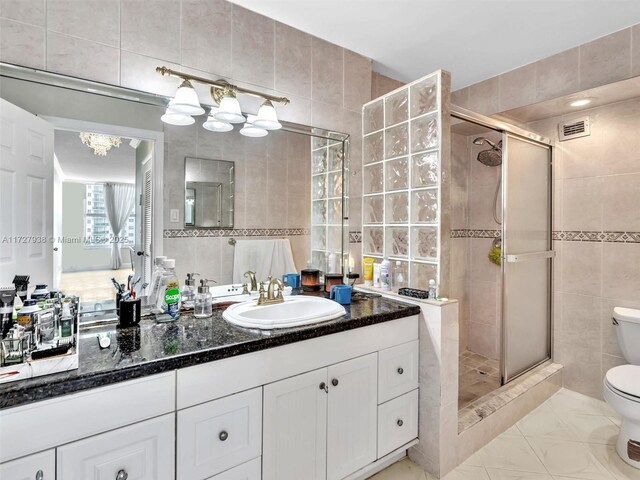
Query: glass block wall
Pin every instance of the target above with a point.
(328, 199)
(405, 152)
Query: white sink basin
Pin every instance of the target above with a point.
(293, 312)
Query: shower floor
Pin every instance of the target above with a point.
(478, 376)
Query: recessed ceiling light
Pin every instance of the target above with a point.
(580, 102)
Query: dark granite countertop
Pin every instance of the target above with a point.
(154, 348)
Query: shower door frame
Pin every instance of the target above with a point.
(506, 128)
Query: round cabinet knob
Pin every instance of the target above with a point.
(55, 249)
(39, 475)
(223, 436)
(122, 475)
(400, 371)
(334, 382)
(323, 386)
(400, 422)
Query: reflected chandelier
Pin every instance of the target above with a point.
(226, 110)
(99, 142)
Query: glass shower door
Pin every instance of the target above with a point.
(527, 255)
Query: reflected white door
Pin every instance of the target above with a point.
(26, 196)
(527, 256)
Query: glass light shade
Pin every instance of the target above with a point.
(267, 117)
(250, 130)
(229, 110)
(186, 100)
(214, 125)
(174, 118)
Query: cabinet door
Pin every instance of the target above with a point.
(143, 451)
(247, 471)
(352, 412)
(219, 435)
(40, 466)
(295, 428)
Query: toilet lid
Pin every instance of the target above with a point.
(625, 379)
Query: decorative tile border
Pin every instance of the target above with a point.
(560, 235)
(245, 232)
(355, 237)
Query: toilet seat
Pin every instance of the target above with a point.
(624, 380)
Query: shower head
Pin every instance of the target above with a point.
(491, 157)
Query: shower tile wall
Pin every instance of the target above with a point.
(475, 280)
(597, 189)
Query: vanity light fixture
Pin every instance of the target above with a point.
(267, 117)
(99, 142)
(186, 103)
(214, 125)
(250, 130)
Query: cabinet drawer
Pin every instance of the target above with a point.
(143, 451)
(397, 422)
(28, 468)
(247, 471)
(397, 370)
(218, 435)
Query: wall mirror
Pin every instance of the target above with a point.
(290, 185)
(208, 193)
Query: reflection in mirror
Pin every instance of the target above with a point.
(209, 193)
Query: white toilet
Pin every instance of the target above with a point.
(622, 384)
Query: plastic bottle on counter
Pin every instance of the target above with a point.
(169, 299)
(154, 285)
(399, 276)
(386, 275)
(433, 290)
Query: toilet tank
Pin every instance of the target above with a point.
(628, 331)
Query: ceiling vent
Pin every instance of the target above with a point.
(575, 128)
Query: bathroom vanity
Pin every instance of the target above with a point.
(203, 399)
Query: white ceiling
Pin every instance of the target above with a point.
(473, 39)
(78, 162)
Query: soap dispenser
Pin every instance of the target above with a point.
(202, 303)
(188, 293)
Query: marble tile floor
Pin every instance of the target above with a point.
(477, 376)
(569, 437)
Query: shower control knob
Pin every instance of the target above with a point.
(400, 371)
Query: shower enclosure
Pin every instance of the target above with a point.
(506, 305)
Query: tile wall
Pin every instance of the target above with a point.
(476, 282)
(122, 41)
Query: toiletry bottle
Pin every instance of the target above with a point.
(398, 280)
(331, 263)
(202, 303)
(65, 324)
(433, 290)
(188, 293)
(169, 294)
(386, 274)
(40, 293)
(376, 275)
(367, 267)
(154, 285)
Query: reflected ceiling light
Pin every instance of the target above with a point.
(581, 102)
(267, 117)
(214, 125)
(99, 142)
(250, 130)
(229, 110)
(186, 100)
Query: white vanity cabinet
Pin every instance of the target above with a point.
(39, 466)
(322, 424)
(143, 451)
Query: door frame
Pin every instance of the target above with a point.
(504, 128)
(68, 124)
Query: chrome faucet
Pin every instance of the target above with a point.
(271, 296)
(252, 276)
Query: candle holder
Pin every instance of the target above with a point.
(310, 280)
